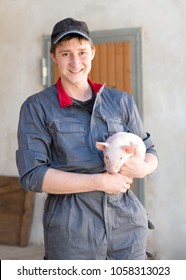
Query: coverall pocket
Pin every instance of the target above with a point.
(115, 125)
(69, 140)
(134, 210)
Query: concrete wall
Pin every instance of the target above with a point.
(22, 24)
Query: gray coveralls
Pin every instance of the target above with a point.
(53, 133)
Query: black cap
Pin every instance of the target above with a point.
(69, 26)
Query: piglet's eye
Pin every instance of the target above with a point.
(106, 157)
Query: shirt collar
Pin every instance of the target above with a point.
(65, 100)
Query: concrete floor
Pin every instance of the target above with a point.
(31, 252)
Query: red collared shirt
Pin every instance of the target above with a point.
(65, 100)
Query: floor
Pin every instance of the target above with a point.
(31, 252)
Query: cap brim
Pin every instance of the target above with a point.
(70, 32)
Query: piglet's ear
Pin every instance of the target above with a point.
(102, 146)
(128, 149)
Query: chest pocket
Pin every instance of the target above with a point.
(69, 141)
(115, 125)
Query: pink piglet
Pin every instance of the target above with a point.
(118, 148)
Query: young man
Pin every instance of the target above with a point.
(89, 214)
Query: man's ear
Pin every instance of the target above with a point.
(52, 55)
(93, 52)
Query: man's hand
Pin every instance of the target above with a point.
(114, 184)
(135, 167)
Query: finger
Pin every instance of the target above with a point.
(127, 186)
(123, 190)
(137, 151)
(129, 181)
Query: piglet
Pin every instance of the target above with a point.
(118, 148)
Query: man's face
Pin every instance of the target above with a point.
(74, 58)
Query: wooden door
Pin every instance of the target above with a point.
(112, 65)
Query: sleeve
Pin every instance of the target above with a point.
(135, 124)
(33, 153)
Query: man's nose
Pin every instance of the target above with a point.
(74, 61)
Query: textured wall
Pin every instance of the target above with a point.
(22, 24)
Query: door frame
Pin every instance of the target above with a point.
(132, 35)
